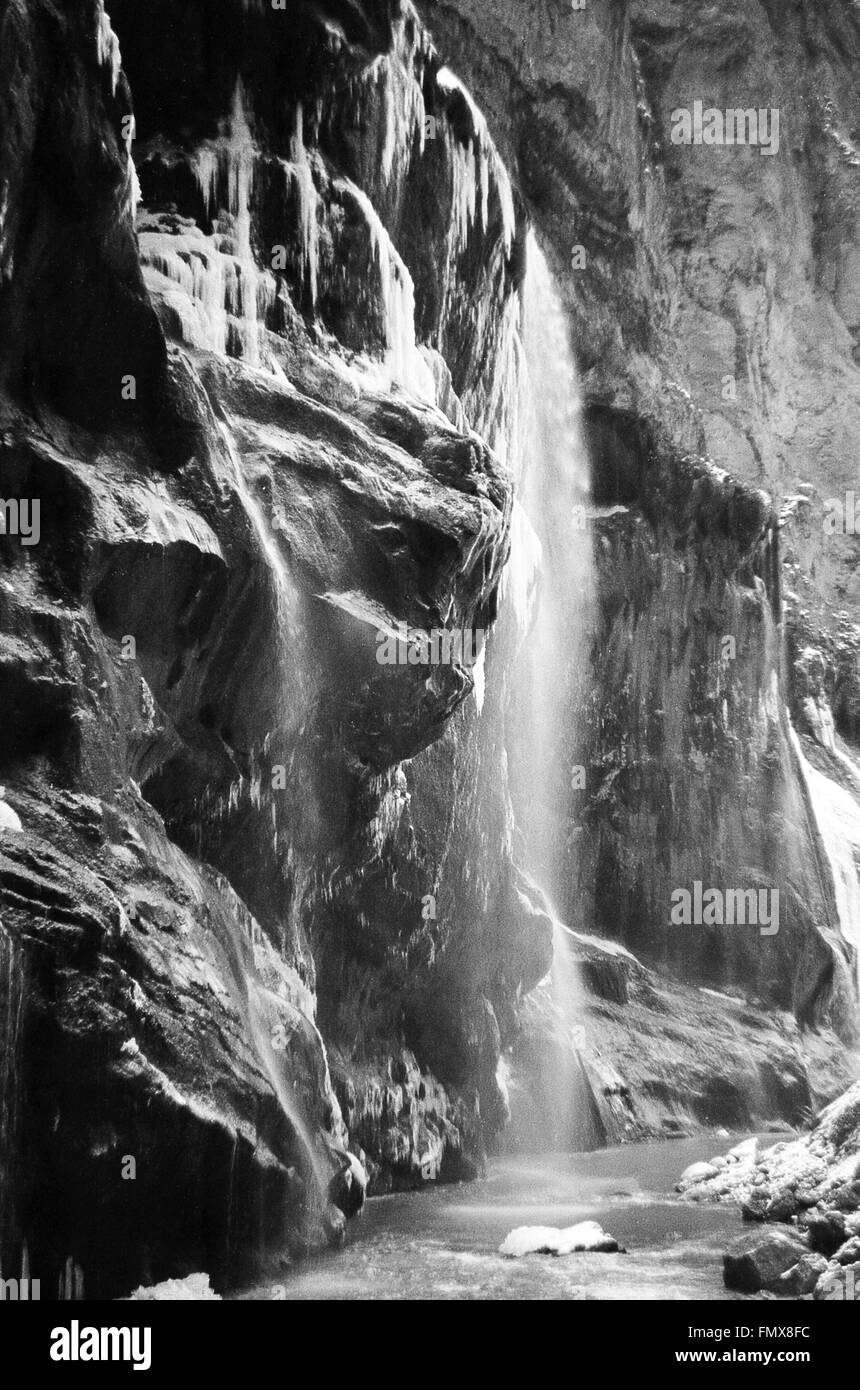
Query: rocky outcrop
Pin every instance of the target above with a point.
(763, 1259)
(708, 291)
(652, 1058)
(811, 1188)
(265, 937)
(216, 857)
(404, 1127)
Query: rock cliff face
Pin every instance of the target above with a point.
(204, 357)
(809, 1189)
(710, 296)
(264, 927)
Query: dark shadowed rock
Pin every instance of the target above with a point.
(242, 844)
(756, 1261)
(826, 1231)
(800, 1279)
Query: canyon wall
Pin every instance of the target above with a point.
(265, 928)
(710, 292)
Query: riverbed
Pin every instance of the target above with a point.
(442, 1243)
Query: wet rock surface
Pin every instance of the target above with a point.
(709, 307)
(264, 932)
(207, 807)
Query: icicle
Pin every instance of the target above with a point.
(133, 194)
(304, 188)
(230, 296)
(11, 1013)
(479, 676)
(107, 45)
(473, 165)
(402, 95)
(5, 270)
(406, 365)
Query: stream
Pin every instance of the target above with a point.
(442, 1243)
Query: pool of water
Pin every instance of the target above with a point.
(442, 1243)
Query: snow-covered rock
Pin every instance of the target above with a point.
(745, 1152)
(551, 1240)
(698, 1172)
(195, 1288)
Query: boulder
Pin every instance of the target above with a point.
(755, 1207)
(757, 1260)
(847, 1197)
(348, 1188)
(801, 1278)
(334, 1226)
(849, 1253)
(549, 1240)
(697, 1172)
(825, 1231)
(747, 1152)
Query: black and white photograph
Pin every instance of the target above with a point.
(429, 669)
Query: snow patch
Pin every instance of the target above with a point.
(550, 1240)
(9, 819)
(193, 1288)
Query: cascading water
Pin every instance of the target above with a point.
(261, 1015)
(554, 491)
(550, 585)
(837, 815)
(12, 997)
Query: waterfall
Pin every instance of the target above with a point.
(261, 1032)
(262, 1019)
(552, 540)
(11, 1012)
(549, 586)
(837, 816)
(285, 590)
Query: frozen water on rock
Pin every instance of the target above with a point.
(473, 165)
(224, 298)
(300, 174)
(108, 45)
(9, 818)
(110, 56)
(402, 96)
(406, 366)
